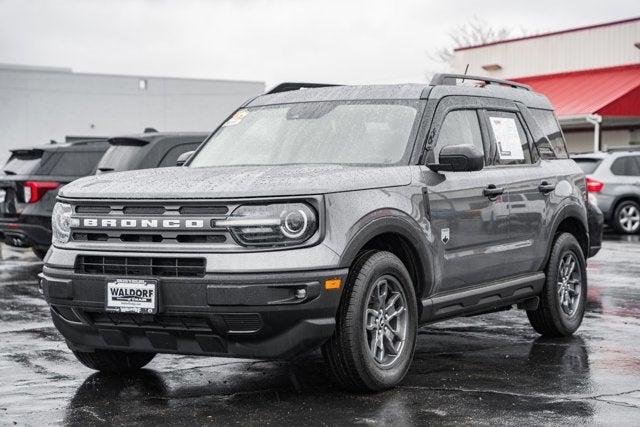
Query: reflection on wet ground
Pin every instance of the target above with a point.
(482, 370)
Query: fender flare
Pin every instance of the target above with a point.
(392, 221)
(570, 210)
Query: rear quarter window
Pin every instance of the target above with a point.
(549, 125)
(626, 166)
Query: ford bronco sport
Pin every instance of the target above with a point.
(337, 217)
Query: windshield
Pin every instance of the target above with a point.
(119, 158)
(588, 166)
(23, 164)
(314, 132)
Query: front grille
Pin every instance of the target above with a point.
(140, 266)
(107, 227)
(93, 209)
(203, 210)
(143, 210)
(150, 321)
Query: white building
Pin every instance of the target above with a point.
(589, 74)
(39, 104)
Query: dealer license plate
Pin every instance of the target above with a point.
(132, 296)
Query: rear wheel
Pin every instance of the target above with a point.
(114, 361)
(563, 298)
(372, 347)
(626, 217)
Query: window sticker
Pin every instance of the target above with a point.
(507, 138)
(236, 118)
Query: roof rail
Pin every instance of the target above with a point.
(452, 80)
(289, 86)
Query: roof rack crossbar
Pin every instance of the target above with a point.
(452, 80)
(289, 86)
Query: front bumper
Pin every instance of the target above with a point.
(234, 315)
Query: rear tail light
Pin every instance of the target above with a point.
(594, 186)
(34, 190)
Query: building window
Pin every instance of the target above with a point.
(142, 84)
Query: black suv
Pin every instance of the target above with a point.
(342, 217)
(148, 150)
(29, 184)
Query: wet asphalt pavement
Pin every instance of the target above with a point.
(481, 370)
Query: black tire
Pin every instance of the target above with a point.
(550, 318)
(618, 214)
(114, 361)
(40, 252)
(347, 352)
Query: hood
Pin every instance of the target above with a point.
(235, 182)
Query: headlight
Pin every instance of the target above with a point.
(278, 224)
(61, 222)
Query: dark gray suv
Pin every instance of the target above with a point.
(337, 217)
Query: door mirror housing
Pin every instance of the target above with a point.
(458, 158)
(182, 159)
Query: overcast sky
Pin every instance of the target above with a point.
(359, 41)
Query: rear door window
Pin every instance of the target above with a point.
(549, 125)
(509, 138)
(626, 166)
(171, 157)
(76, 163)
(588, 165)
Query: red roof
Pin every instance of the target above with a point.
(606, 91)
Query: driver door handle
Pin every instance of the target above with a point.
(545, 187)
(492, 191)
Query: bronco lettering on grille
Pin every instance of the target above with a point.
(143, 223)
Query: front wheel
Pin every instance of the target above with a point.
(563, 299)
(372, 347)
(113, 360)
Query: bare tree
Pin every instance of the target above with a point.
(475, 31)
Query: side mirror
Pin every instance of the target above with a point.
(182, 159)
(458, 158)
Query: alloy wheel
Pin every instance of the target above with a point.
(385, 321)
(629, 218)
(569, 284)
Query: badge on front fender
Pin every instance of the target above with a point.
(444, 235)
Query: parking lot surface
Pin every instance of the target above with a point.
(482, 370)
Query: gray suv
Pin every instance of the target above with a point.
(337, 217)
(613, 178)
